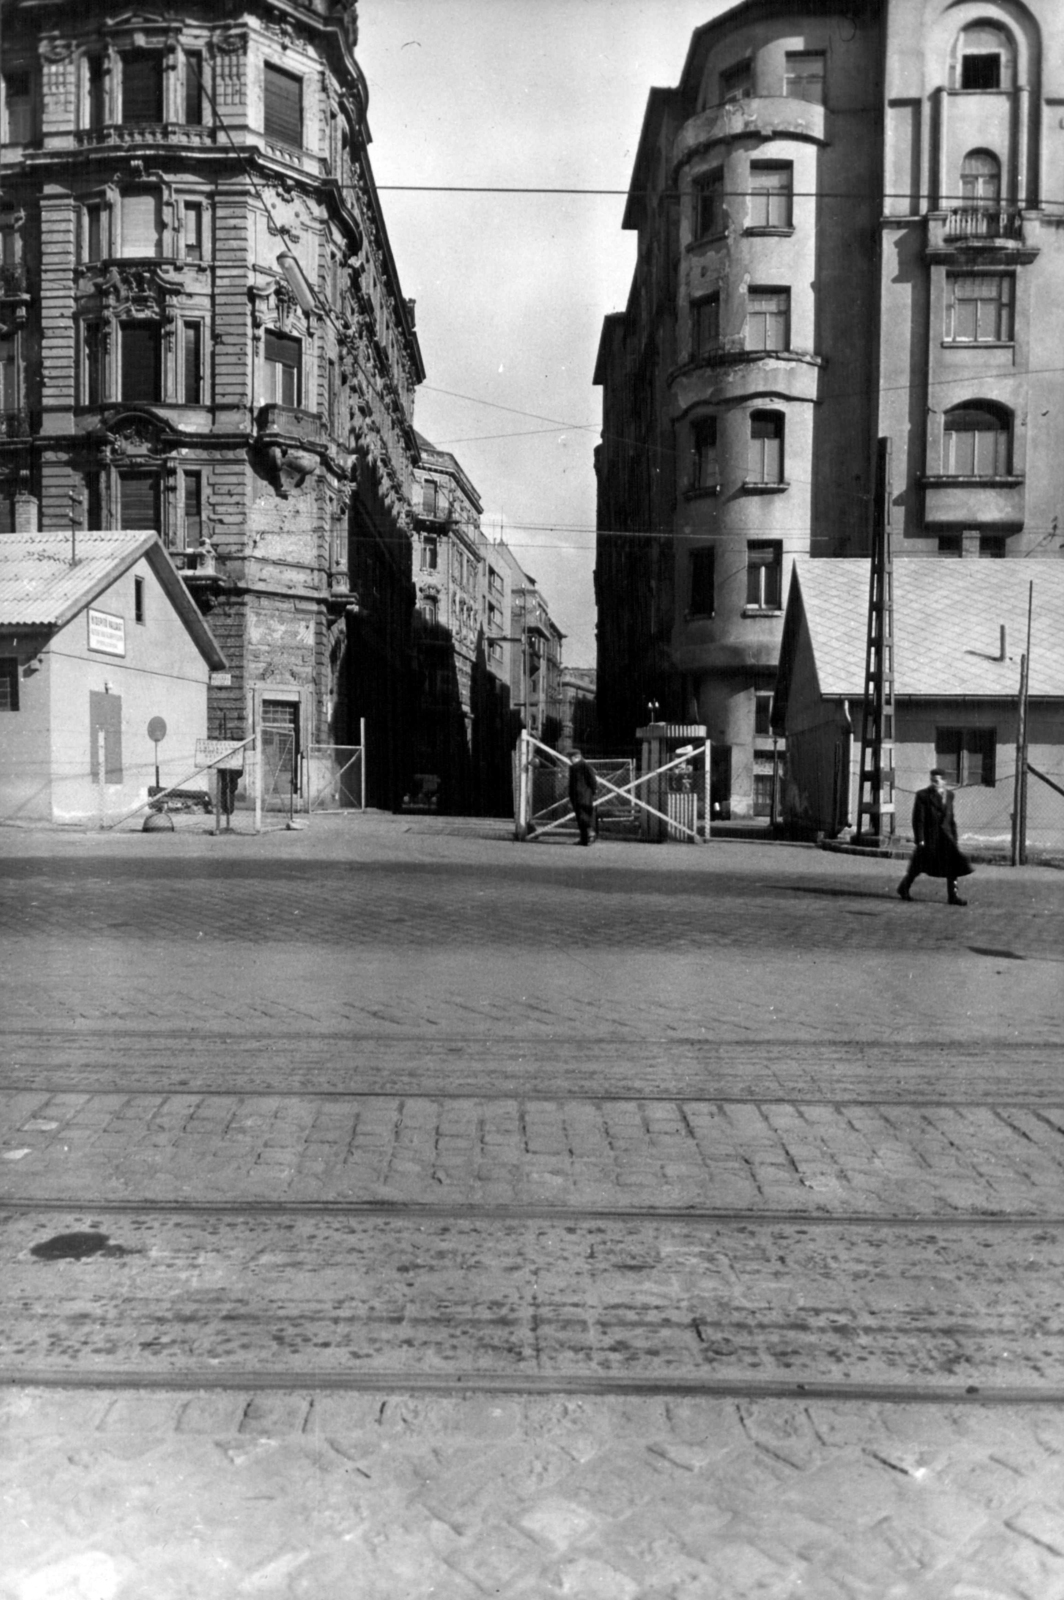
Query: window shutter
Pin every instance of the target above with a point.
(140, 361)
(139, 500)
(141, 234)
(283, 107)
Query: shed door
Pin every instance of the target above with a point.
(105, 716)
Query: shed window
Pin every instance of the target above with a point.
(282, 106)
(967, 755)
(8, 683)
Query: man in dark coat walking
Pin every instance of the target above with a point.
(582, 786)
(935, 833)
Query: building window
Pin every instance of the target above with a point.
(764, 575)
(979, 307)
(766, 448)
(803, 76)
(193, 230)
(284, 369)
(138, 500)
(984, 59)
(981, 180)
(92, 345)
(142, 86)
(763, 713)
(706, 315)
(9, 384)
(10, 240)
(771, 186)
(992, 546)
(141, 225)
(192, 363)
(282, 106)
(737, 82)
(193, 87)
(18, 108)
(96, 92)
(705, 469)
(976, 441)
(495, 584)
(709, 204)
(703, 582)
(191, 509)
(949, 544)
(141, 371)
(430, 554)
(138, 600)
(967, 756)
(768, 319)
(8, 683)
(92, 244)
(430, 608)
(494, 650)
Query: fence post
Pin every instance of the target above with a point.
(522, 785)
(101, 773)
(258, 782)
(362, 757)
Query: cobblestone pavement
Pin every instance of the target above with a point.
(843, 1158)
(309, 1081)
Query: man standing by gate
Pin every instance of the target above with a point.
(582, 786)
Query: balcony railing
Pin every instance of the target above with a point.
(980, 222)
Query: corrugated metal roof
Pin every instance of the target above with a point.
(948, 616)
(40, 585)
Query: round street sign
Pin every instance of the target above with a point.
(156, 729)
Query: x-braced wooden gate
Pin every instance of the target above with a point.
(528, 824)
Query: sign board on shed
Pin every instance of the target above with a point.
(107, 633)
(222, 754)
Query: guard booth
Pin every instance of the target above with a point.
(674, 766)
(670, 794)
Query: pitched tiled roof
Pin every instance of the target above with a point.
(948, 616)
(40, 586)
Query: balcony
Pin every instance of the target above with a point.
(952, 501)
(293, 442)
(988, 235)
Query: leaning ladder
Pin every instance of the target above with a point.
(875, 800)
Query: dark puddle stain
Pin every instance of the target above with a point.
(77, 1247)
(1000, 955)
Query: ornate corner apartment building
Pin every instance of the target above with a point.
(849, 223)
(202, 332)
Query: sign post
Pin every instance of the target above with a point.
(225, 756)
(157, 733)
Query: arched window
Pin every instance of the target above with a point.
(984, 57)
(977, 440)
(981, 180)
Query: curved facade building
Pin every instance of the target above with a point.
(203, 333)
(846, 215)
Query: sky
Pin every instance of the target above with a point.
(511, 289)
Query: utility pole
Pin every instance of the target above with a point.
(875, 798)
(1019, 788)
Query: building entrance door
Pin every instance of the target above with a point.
(280, 749)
